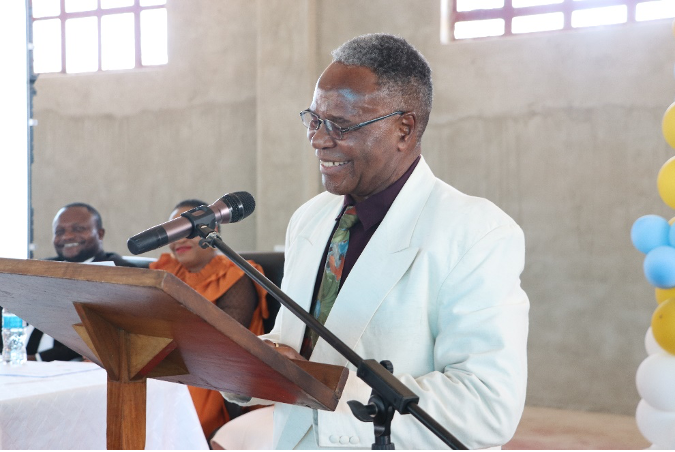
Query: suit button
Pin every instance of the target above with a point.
(344, 440)
(333, 439)
(354, 440)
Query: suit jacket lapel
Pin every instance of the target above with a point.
(382, 264)
(299, 285)
(305, 261)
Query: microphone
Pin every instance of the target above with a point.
(231, 208)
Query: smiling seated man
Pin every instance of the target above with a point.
(77, 237)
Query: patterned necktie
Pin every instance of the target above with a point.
(332, 274)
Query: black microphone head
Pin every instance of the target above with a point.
(148, 240)
(241, 205)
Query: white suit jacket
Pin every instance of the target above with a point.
(437, 292)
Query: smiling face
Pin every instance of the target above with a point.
(187, 251)
(367, 160)
(76, 236)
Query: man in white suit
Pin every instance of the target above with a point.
(431, 278)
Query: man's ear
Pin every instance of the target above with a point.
(101, 233)
(406, 131)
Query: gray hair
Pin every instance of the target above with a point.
(402, 71)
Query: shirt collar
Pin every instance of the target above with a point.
(371, 211)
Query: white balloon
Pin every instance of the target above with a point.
(655, 381)
(656, 426)
(650, 343)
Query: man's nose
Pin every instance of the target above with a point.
(67, 234)
(320, 139)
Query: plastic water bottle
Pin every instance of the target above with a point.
(13, 339)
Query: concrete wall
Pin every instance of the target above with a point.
(562, 130)
(287, 65)
(134, 143)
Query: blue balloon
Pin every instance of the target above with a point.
(649, 232)
(659, 267)
(671, 235)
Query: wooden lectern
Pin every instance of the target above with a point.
(138, 324)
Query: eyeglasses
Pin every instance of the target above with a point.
(312, 121)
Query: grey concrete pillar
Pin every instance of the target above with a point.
(287, 171)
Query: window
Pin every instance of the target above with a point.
(467, 19)
(75, 36)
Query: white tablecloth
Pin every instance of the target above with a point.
(62, 405)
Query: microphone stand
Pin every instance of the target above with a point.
(388, 392)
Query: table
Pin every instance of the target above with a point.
(62, 405)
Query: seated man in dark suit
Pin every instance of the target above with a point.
(77, 237)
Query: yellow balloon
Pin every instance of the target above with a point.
(664, 294)
(668, 125)
(663, 325)
(665, 182)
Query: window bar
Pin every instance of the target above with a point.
(508, 17)
(567, 8)
(62, 18)
(137, 33)
(453, 12)
(503, 12)
(99, 12)
(631, 5)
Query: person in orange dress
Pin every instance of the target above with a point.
(221, 282)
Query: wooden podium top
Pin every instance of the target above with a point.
(193, 341)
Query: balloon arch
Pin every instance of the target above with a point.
(655, 237)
